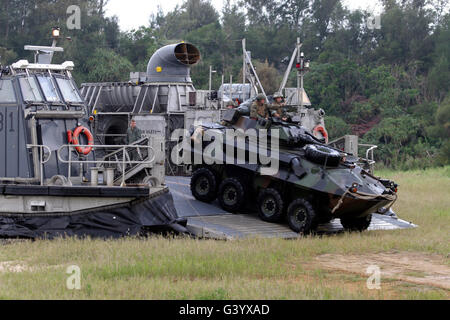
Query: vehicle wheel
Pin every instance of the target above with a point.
(301, 216)
(270, 205)
(321, 155)
(204, 185)
(357, 224)
(231, 195)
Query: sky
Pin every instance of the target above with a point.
(135, 13)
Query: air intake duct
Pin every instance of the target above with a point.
(172, 63)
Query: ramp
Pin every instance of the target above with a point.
(210, 221)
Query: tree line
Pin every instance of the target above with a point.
(387, 83)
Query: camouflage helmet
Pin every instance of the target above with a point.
(260, 97)
(277, 95)
(231, 103)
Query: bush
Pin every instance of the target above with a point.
(337, 127)
(443, 157)
(395, 138)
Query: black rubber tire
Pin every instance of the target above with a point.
(357, 224)
(301, 216)
(270, 205)
(322, 154)
(231, 195)
(204, 185)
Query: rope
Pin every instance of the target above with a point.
(340, 202)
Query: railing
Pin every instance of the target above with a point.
(351, 145)
(42, 159)
(122, 163)
(369, 152)
(370, 159)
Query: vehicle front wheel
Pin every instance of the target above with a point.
(270, 205)
(231, 195)
(301, 216)
(204, 185)
(357, 224)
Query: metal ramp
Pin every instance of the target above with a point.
(210, 221)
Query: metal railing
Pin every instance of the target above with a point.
(122, 163)
(351, 142)
(42, 159)
(370, 158)
(370, 151)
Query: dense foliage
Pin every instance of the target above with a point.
(389, 85)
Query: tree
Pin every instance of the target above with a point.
(191, 15)
(7, 56)
(105, 65)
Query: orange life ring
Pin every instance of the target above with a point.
(322, 131)
(75, 141)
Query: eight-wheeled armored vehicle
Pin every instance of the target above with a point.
(311, 182)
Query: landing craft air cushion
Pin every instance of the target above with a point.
(53, 181)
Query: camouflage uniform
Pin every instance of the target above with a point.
(279, 108)
(258, 110)
(231, 104)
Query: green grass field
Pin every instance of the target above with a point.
(414, 263)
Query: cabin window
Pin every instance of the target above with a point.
(30, 89)
(7, 92)
(49, 88)
(68, 90)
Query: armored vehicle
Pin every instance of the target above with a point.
(283, 171)
(53, 181)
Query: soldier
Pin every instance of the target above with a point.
(259, 108)
(278, 107)
(231, 104)
(133, 134)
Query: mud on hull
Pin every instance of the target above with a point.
(354, 208)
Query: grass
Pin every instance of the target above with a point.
(180, 268)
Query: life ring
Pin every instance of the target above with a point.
(322, 131)
(74, 140)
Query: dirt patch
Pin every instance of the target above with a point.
(365, 126)
(410, 267)
(13, 267)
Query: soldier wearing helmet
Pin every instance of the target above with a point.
(278, 107)
(231, 104)
(259, 108)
